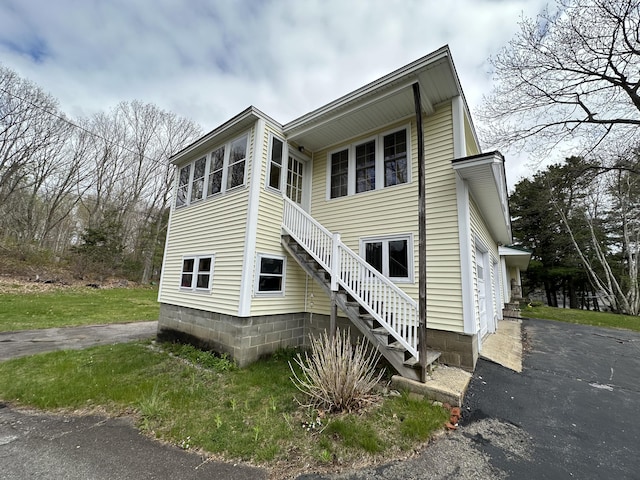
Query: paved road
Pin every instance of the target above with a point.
(30, 342)
(572, 413)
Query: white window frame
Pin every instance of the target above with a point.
(196, 271)
(380, 173)
(225, 172)
(283, 166)
(279, 293)
(385, 239)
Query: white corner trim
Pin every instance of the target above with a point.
(459, 141)
(251, 230)
(466, 268)
(172, 205)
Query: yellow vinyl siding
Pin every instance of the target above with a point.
(472, 147)
(208, 227)
(268, 235)
(211, 226)
(394, 210)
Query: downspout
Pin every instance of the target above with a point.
(422, 240)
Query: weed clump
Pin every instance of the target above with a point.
(337, 376)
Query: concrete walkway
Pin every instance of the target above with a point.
(505, 346)
(31, 342)
(449, 384)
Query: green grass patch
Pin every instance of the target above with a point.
(583, 317)
(77, 306)
(197, 400)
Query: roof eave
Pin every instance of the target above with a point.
(486, 178)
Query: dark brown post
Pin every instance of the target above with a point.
(422, 240)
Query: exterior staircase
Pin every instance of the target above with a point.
(380, 310)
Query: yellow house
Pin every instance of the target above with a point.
(274, 224)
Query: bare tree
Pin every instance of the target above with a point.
(571, 75)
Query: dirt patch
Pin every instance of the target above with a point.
(37, 284)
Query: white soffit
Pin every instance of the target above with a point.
(515, 257)
(382, 102)
(486, 179)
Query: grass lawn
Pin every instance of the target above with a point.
(583, 317)
(195, 400)
(76, 306)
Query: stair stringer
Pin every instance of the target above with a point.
(392, 352)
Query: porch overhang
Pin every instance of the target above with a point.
(382, 102)
(486, 178)
(515, 257)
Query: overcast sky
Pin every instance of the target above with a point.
(210, 59)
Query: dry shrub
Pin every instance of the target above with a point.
(337, 376)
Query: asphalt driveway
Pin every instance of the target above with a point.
(571, 413)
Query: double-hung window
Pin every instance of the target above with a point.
(197, 272)
(216, 165)
(275, 163)
(222, 169)
(197, 186)
(392, 256)
(183, 185)
(237, 161)
(339, 177)
(379, 162)
(270, 274)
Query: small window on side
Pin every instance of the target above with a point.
(275, 164)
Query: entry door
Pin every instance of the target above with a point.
(297, 181)
(481, 273)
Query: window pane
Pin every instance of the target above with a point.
(186, 280)
(203, 280)
(395, 158)
(276, 164)
(398, 259)
(268, 283)
(339, 173)
(217, 159)
(238, 150)
(271, 265)
(187, 265)
(366, 166)
(204, 265)
(181, 197)
(184, 175)
(215, 183)
(373, 255)
(236, 175)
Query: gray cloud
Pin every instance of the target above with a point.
(208, 60)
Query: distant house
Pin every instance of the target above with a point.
(271, 221)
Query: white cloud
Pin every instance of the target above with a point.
(210, 60)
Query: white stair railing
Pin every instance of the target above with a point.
(396, 311)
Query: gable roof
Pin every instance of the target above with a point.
(380, 102)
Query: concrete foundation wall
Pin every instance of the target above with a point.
(458, 350)
(244, 339)
(248, 339)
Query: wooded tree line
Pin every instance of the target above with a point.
(582, 223)
(569, 82)
(91, 192)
